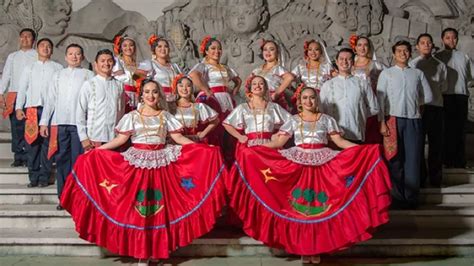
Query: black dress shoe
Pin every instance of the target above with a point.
(59, 208)
(16, 163)
(32, 185)
(43, 185)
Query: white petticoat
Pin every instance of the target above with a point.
(152, 158)
(309, 156)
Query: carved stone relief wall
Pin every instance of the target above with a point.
(240, 24)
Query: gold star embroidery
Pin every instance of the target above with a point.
(267, 175)
(107, 185)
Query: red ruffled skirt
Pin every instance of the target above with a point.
(145, 212)
(310, 209)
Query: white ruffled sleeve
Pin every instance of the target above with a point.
(280, 71)
(236, 118)
(231, 72)
(331, 125)
(206, 113)
(296, 71)
(280, 115)
(172, 124)
(145, 65)
(288, 127)
(199, 67)
(125, 125)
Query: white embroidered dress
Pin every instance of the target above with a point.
(258, 124)
(218, 81)
(313, 78)
(163, 74)
(148, 135)
(193, 116)
(311, 138)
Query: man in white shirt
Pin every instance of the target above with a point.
(60, 109)
(101, 104)
(12, 71)
(402, 91)
(436, 73)
(460, 72)
(34, 86)
(348, 99)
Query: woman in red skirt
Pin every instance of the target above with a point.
(151, 199)
(213, 79)
(309, 199)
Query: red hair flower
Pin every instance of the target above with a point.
(174, 84)
(297, 93)
(153, 39)
(204, 42)
(248, 83)
(117, 43)
(353, 41)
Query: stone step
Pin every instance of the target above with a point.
(5, 146)
(37, 216)
(20, 194)
(231, 243)
(457, 176)
(440, 216)
(444, 216)
(12, 175)
(457, 194)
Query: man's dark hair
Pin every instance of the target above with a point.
(104, 51)
(75, 45)
(33, 33)
(345, 50)
(424, 35)
(401, 43)
(45, 40)
(449, 30)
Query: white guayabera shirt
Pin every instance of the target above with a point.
(350, 100)
(63, 94)
(401, 92)
(101, 105)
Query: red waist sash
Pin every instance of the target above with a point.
(314, 146)
(259, 135)
(166, 89)
(130, 88)
(218, 89)
(149, 147)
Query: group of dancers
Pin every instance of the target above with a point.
(164, 151)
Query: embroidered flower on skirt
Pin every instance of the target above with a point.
(152, 158)
(256, 142)
(309, 156)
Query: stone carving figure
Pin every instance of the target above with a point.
(246, 21)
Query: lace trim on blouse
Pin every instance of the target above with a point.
(312, 157)
(152, 158)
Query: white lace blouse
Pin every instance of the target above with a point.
(148, 133)
(311, 139)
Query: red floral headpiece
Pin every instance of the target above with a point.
(306, 47)
(205, 44)
(353, 41)
(174, 84)
(296, 95)
(248, 83)
(153, 40)
(138, 85)
(117, 43)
